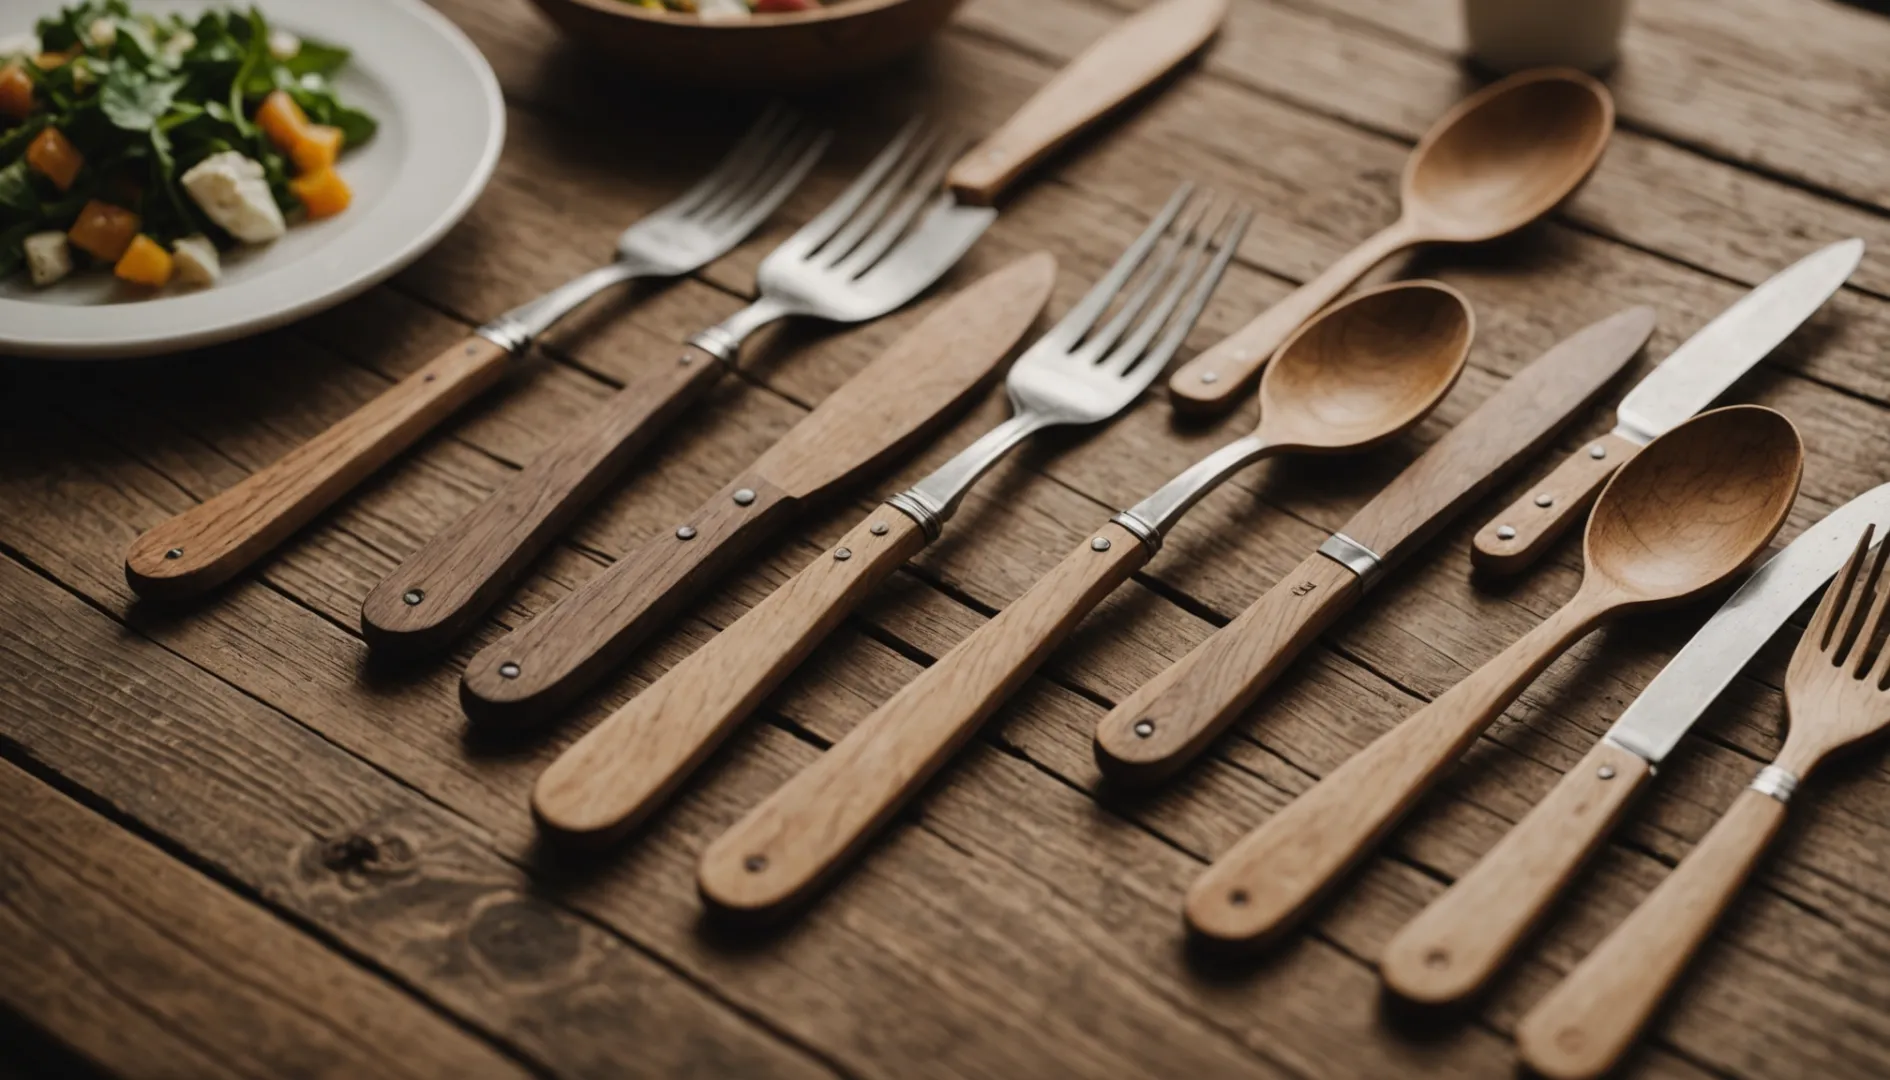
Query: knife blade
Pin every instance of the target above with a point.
(888, 406)
(1165, 723)
(1454, 946)
(1687, 381)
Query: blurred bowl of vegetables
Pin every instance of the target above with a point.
(750, 44)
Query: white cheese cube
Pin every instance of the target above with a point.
(196, 261)
(103, 33)
(232, 192)
(176, 46)
(284, 45)
(47, 257)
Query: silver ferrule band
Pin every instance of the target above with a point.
(1150, 536)
(718, 343)
(1776, 782)
(919, 509)
(507, 333)
(1354, 556)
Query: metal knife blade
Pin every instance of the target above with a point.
(1652, 726)
(1726, 348)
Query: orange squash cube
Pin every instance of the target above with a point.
(103, 231)
(145, 262)
(54, 156)
(320, 146)
(47, 61)
(323, 192)
(282, 120)
(16, 92)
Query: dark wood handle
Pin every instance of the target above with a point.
(528, 674)
(626, 766)
(1174, 716)
(205, 546)
(1517, 537)
(433, 596)
(1456, 945)
(803, 833)
(1581, 1029)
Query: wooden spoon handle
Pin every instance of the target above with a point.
(1454, 947)
(543, 665)
(627, 765)
(205, 546)
(1217, 380)
(1588, 1021)
(432, 597)
(791, 843)
(1126, 60)
(1174, 716)
(1570, 490)
(1272, 876)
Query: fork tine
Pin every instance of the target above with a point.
(1824, 621)
(772, 118)
(918, 191)
(1870, 627)
(1194, 241)
(760, 155)
(784, 184)
(1077, 322)
(835, 251)
(1867, 595)
(823, 225)
(785, 158)
(1153, 277)
(1157, 358)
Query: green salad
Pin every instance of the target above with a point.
(131, 133)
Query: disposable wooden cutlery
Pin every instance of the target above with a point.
(887, 238)
(1161, 727)
(1686, 382)
(208, 544)
(1084, 371)
(877, 413)
(1835, 696)
(1453, 948)
(1361, 373)
(1688, 512)
(1498, 160)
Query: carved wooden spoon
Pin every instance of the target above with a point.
(1694, 508)
(1498, 160)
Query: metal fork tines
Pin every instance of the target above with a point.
(1085, 369)
(698, 226)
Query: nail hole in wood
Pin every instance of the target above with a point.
(174, 553)
(1238, 898)
(755, 864)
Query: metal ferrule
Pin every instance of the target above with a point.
(932, 501)
(724, 340)
(1151, 518)
(1354, 556)
(1776, 782)
(518, 328)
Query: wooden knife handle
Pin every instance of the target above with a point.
(1260, 887)
(433, 596)
(790, 844)
(1588, 1021)
(1126, 60)
(1174, 716)
(543, 665)
(1570, 490)
(626, 766)
(1217, 380)
(205, 546)
(1459, 942)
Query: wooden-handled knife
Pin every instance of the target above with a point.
(885, 408)
(1166, 722)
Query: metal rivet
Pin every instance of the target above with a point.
(1210, 376)
(1144, 728)
(880, 528)
(685, 359)
(744, 496)
(1606, 772)
(508, 670)
(413, 596)
(1545, 500)
(174, 553)
(1238, 898)
(1506, 532)
(428, 377)
(1437, 958)
(685, 532)
(1101, 543)
(1597, 451)
(755, 864)
(842, 554)
(472, 348)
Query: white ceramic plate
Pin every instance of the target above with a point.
(442, 123)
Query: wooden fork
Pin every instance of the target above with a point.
(1834, 696)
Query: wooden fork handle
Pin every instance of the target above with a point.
(1174, 716)
(1117, 66)
(1569, 491)
(796, 839)
(626, 766)
(1459, 942)
(205, 546)
(1260, 887)
(541, 666)
(1588, 1021)
(433, 596)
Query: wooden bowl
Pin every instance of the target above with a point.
(792, 49)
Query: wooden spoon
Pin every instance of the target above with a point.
(1358, 376)
(1690, 511)
(1498, 160)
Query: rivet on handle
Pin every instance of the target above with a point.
(1506, 532)
(1101, 543)
(744, 496)
(412, 597)
(685, 532)
(1597, 451)
(879, 528)
(1545, 500)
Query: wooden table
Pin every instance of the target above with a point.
(229, 845)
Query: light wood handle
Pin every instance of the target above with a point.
(1216, 380)
(1588, 1021)
(1458, 943)
(543, 665)
(1570, 491)
(431, 598)
(626, 766)
(1174, 716)
(790, 844)
(1117, 66)
(1271, 877)
(207, 545)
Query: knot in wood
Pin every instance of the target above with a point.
(358, 858)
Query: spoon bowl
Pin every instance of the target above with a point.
(1367, 369)
(1506, 155)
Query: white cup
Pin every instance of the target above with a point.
(1510, 35)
